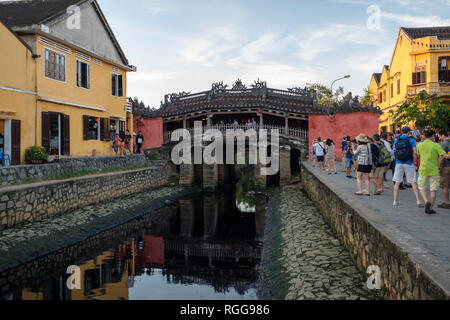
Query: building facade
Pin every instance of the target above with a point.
(419, 62)
(75, 79)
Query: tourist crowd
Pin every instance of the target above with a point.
(417, 159)
(122, 146)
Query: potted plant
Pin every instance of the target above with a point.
(36, 155)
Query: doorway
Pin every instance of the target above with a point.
(10, 139)
(56, 133)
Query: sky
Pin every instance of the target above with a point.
(186, 45)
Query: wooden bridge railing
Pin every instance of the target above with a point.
(294, 133)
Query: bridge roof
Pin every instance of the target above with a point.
(296, 100)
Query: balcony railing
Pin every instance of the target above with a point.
(430, 87)
(295, 133)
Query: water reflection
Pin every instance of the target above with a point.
(200, 248)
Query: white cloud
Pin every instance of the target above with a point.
(335, 36)
(415, 21)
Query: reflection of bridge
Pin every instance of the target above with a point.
(213, 250)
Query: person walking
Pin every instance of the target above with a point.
(405, 155)
(364, 164)
(313, 153)
(330, 156)
(355, 156)
(320, 153)
(116, 144)
(348, 156)
(382, 159)
(445, 170)
(431, 159)
(127, 141)
(139, 141)
(384, 139)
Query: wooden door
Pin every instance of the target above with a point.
(46, 131)
(65, 135)
(15, 142)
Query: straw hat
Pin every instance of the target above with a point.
(362, 138)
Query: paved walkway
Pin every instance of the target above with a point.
(419, 234)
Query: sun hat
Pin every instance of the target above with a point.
(362, 138)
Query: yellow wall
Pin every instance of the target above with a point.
(17, 71)
(98, 96)
(20, 71)
(109, 291)
(407, 55)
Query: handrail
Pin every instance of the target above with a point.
(429, 87)
(290, 132)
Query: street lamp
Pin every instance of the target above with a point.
(345, 77)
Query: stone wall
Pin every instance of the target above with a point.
(36, 201)
(14, 174)
(401, 277)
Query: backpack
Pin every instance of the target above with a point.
(384, 158)
(403, 150)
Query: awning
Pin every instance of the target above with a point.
(116, 117)
(7, 113)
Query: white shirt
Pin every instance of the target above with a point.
(320, 149)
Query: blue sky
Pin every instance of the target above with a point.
(185, 45)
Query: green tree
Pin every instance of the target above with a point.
(366, 99)
(324, 95)
(425, 110)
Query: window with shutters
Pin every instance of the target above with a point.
(384, 95)
(95, 128)
(420, 76)
(55, 65)
(91, 128)
(392, 90)
(83, 75)
(117, 85)
(398, 86)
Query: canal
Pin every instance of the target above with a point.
(204, 247)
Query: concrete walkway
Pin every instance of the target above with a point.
(426, 238)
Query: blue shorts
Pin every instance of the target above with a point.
(348, 163)
(116, 149)
(320, 158)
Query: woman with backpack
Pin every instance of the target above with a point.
(364, 164)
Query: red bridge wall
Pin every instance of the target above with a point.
(343, 124)
(152, 129)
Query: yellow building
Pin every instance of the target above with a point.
(419, 62)
(17, 94)
(73, 73)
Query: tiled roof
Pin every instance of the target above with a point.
(31, 12)
(377, 76)
(442, 33)
(274, 99)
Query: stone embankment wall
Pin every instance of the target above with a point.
(33, 202)
(401, 278)
(11, 175)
